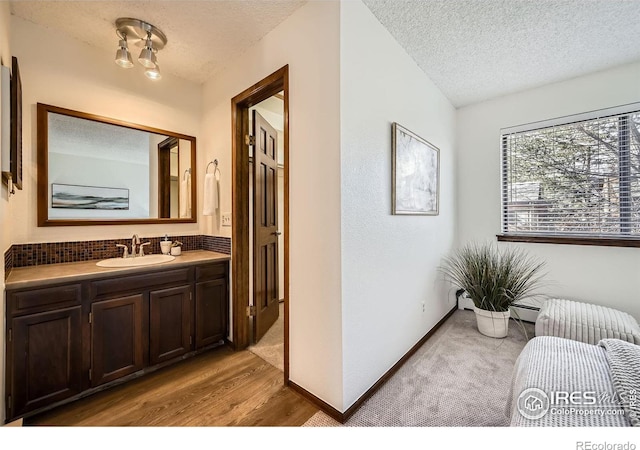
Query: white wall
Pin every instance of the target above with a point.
(603, 275)
(80, 171)
(86, 153)
(389, 263)
(61, 71)
(5, 231)
(309, 42)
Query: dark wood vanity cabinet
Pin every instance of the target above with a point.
(44, 347)
(117, 338)
(212, 305)
(170, 323)
(66, 341)
(46, 358)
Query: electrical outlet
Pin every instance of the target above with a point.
(226, 219)
(423, 307)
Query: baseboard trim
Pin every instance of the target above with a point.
(324, 406)
(519, 312)
(343, 417)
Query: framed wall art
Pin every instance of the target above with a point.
(70, 196)
(416, 174)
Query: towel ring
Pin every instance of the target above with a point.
(186, 171)
(215, 164)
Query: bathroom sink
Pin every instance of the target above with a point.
(146, 260)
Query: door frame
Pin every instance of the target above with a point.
(240, 104)
(164, 176)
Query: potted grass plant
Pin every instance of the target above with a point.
(494, 279)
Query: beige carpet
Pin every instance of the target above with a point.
(457, 378)
(271, 346)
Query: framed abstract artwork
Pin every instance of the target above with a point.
(70, 196)
(416, 174)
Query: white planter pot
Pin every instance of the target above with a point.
(491, 323)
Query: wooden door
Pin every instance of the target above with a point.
(117, 338)
(211, 312)
(46, 359)
(265, 226)
(170, 323)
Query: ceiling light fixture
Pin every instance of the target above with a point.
(146, 55)
(144, 35)
(123, 57)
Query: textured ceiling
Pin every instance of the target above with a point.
(202, 35)
(472, 49)
(87, 138)
(475, 50)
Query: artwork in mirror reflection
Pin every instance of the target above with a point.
(68, 196)
(99, 170)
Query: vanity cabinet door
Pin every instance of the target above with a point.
(170, 323)
(118, 335)
(46, 356)
(211, 312)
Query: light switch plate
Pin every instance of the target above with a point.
(226, 219)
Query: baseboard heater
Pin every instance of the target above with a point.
(525, 313)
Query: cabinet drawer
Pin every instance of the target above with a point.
(137, 283)
(211, 271)
(37, 300)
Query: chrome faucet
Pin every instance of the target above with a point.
(135, 240)
(141, 248)
(125, 251)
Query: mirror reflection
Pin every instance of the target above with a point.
(103, 171)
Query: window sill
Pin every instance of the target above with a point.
(603, 242)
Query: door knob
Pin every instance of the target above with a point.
(277, 233)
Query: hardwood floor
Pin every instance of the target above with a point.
(217, 388)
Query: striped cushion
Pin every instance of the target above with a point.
(553, 364)
(585, 322)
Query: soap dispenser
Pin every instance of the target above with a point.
(165, 245)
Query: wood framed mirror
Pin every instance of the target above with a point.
(95, 170)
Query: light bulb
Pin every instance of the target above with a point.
(153, 73)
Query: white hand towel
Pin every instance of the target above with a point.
(185, 196)
(210, 198)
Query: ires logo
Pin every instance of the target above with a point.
(534, 403)
(562, 398)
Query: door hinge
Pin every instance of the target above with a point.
(90, 317)
(90, 374)
(190, 340)
(250, 140)
(10, 334)
(251, 311)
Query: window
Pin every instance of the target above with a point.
(576, 177)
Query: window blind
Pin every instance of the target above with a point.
(576, 177)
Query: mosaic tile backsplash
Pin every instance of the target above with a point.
(216, 244)
(23, 255)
